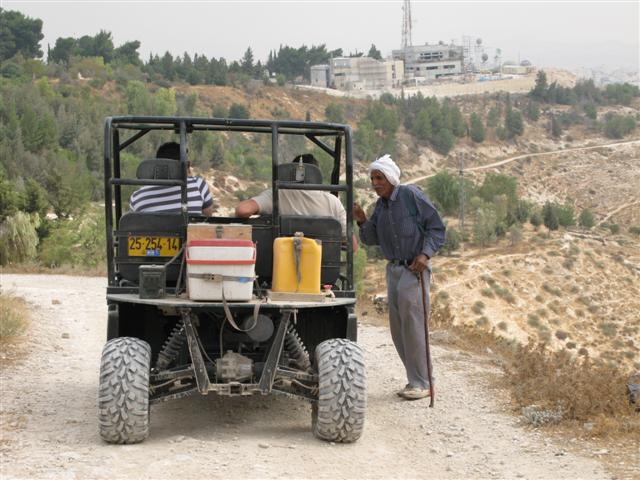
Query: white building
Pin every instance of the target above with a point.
(320, 76)
(423, 63)
(365, 73)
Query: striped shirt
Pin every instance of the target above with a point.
(157, 198)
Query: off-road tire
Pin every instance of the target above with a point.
(342, 391)
(123, 402)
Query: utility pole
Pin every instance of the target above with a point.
(461, 172)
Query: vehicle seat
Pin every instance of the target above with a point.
(291, 172)
(153, 224)
(159, 169)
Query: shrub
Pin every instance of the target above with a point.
(635, 230)
(503, 326)
(478, 307)
(582, 388)
(561, 335)
(476, 129)
(614, 228)
(237, 110)
(13, 315)
(19, 238)
(452, 240)
(586, 219)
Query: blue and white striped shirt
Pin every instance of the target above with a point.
(157, 198)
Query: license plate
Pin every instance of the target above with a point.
(140, 246)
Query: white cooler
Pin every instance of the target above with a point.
(220, 263)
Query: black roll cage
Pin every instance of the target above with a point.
(316, 132)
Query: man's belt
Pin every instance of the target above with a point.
(404, 263)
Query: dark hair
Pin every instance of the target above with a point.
(306, 158)
(169, 150)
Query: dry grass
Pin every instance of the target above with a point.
(14, 316)
(584, 389)
(576, 389)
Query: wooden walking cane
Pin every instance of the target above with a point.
(426, 336)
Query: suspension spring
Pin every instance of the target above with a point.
(171, 347)
(296, 349)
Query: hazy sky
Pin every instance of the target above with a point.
(548, 33)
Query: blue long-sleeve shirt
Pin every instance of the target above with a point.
(396, 231)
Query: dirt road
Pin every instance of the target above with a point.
(49, 427)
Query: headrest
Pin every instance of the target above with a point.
(302, 173)
(159, 169)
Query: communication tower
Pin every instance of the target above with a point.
(406, 25)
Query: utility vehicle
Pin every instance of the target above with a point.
(170, 347)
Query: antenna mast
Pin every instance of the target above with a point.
(406, 25)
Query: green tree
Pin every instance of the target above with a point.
(374, 53)
(493, 116)
(535, 218)
(618, 126)
(247, 62)
(550, 217)
(334, 113)
(62, 51)
(539, 91)
(565, 214)
(9, 197)
(238, 111)
(444, 189)
(477, 128)
(484, 227)
(452, 241)
(19, 34)
(35, 198)
(586, 219)
(533, 111)
(513, 123)
(443, 141)
(127, 53)
(591, 111)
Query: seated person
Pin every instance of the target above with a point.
(158, 198)
(298, 202)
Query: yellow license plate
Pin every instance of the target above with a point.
(153, 246)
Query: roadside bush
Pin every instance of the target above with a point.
(13, 315)
(19, 238)
(586, 219)
(359, 265)
(76, 242)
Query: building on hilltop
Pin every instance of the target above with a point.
(358, 73)
(424, 63)
(365, 73)
(320, 76)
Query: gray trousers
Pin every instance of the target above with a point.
(406, 320)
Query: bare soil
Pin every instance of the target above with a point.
(49, 427)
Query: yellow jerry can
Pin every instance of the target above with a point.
(296, 264)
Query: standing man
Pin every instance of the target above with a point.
(409, 231)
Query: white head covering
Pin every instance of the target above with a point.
(388, 167)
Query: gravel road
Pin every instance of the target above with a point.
(48, 415)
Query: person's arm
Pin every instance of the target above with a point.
(246, 208)
(434, 229)
(207, 198)
(368, 231)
